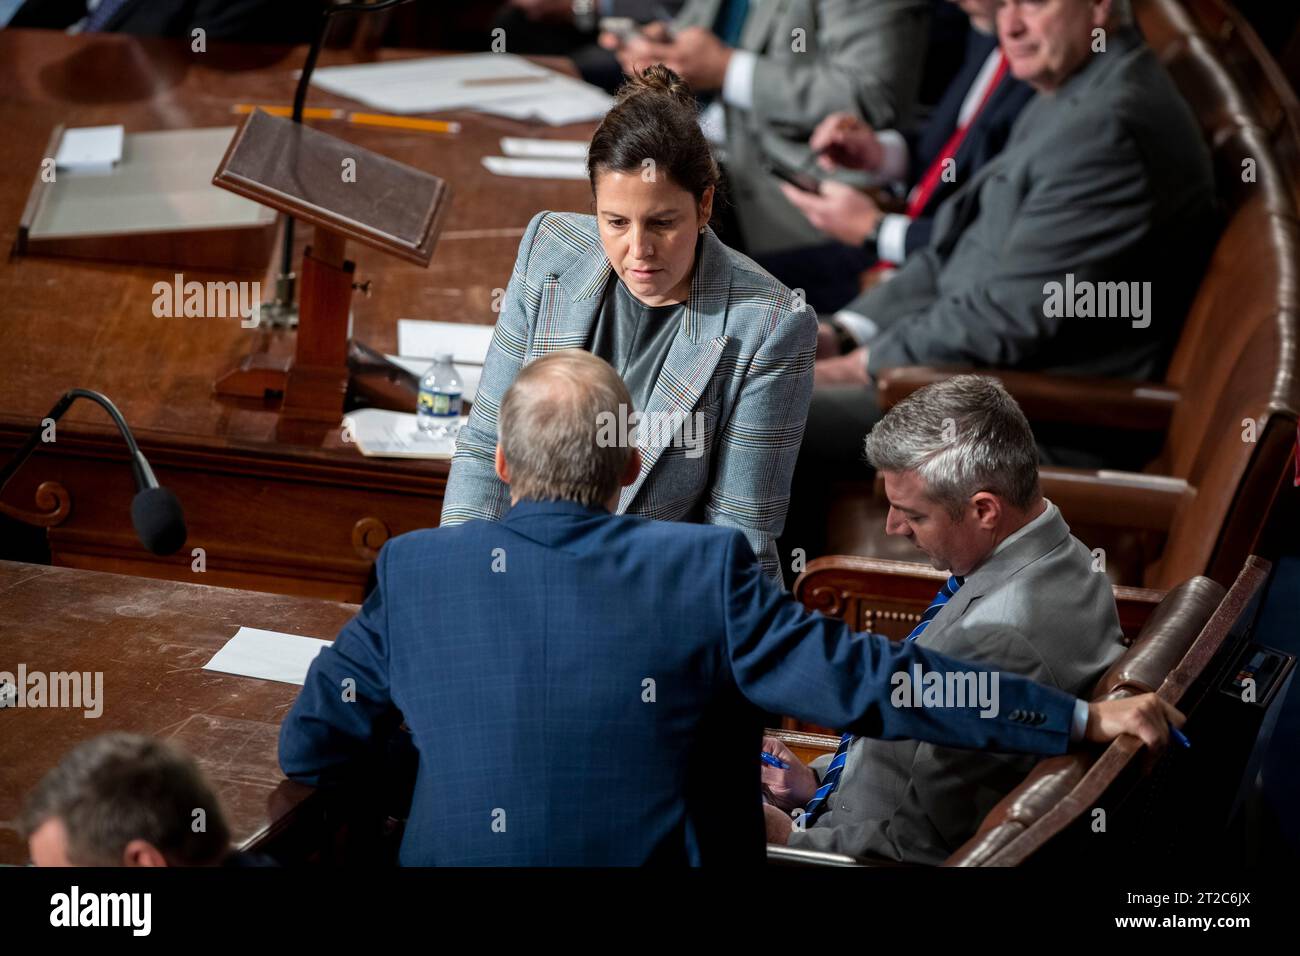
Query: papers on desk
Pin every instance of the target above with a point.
(467, 343)
(268, 655)
(90, 149)
(499, 83)
(380, 433)
(544, 148)
(537, 168)
(540, 158)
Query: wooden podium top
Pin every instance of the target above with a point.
(336, 184)
(150, 639)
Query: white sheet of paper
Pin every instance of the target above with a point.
(544, 148)
(477, 81)
(469, 374)
(467, 342)
(537, 168)
(268, 655)
(558, 103)
(380, 433)
(90, 148)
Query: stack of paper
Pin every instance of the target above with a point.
(90, 149)
(540, 158)
(500, 83)
(380, 433)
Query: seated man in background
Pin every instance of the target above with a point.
(126, 800)
(968, 127)
(586, 690)
(1076, 251)
(961, 473)
(569, 28)
(776, 70)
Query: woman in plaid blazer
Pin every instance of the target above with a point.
(723, 423)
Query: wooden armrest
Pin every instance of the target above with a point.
(1100, 402)
(1123, 499)
(888, 597)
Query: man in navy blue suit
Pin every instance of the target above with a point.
(585, 688)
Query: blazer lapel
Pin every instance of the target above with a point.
(759, 23)
(569, 303)
(692, 357)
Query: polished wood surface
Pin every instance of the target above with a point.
(299, 513)
(150, 639)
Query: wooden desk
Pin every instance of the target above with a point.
(297, 519)
(151, 639)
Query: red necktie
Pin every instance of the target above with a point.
(924, 190)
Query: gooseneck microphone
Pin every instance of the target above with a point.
(155, 511)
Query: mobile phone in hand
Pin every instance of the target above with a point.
(799, 180)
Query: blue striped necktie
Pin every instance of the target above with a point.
(836, 767)
(102, 14)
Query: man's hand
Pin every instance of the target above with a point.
(695, 54)
(1146, 717)
(788, 788)
(838, 210)
(779, 824)
(556, 11)
(846, 142)
(850, 369)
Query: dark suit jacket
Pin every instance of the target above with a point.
(1104, 183)
(987, 135)
(581, 689)
(249, 21)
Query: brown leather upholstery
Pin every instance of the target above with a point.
(1189, 626)
(1221, 495)
(1163, 641)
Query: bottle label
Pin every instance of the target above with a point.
(441, 404)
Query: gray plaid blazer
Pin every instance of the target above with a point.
(742, 359)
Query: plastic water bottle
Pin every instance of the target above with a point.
(438, 408)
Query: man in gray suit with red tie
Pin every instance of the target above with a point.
(1024, 596)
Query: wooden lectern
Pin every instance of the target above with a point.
(345, 192)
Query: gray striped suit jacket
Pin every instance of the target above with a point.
(742, 360)
(815, 57)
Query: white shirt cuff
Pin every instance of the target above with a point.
(713, 122)
(1079, 725)
(891, 243)
(860, 328)
(894, 163)
(738, 84)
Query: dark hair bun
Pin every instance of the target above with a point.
(657, 79)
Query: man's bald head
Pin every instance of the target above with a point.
(549, 427)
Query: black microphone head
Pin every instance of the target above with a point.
(159, 521)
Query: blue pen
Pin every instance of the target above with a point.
(771, 761)
(1179, 736)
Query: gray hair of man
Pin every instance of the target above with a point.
(120, 787)
(549, 424)
(962, 436)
